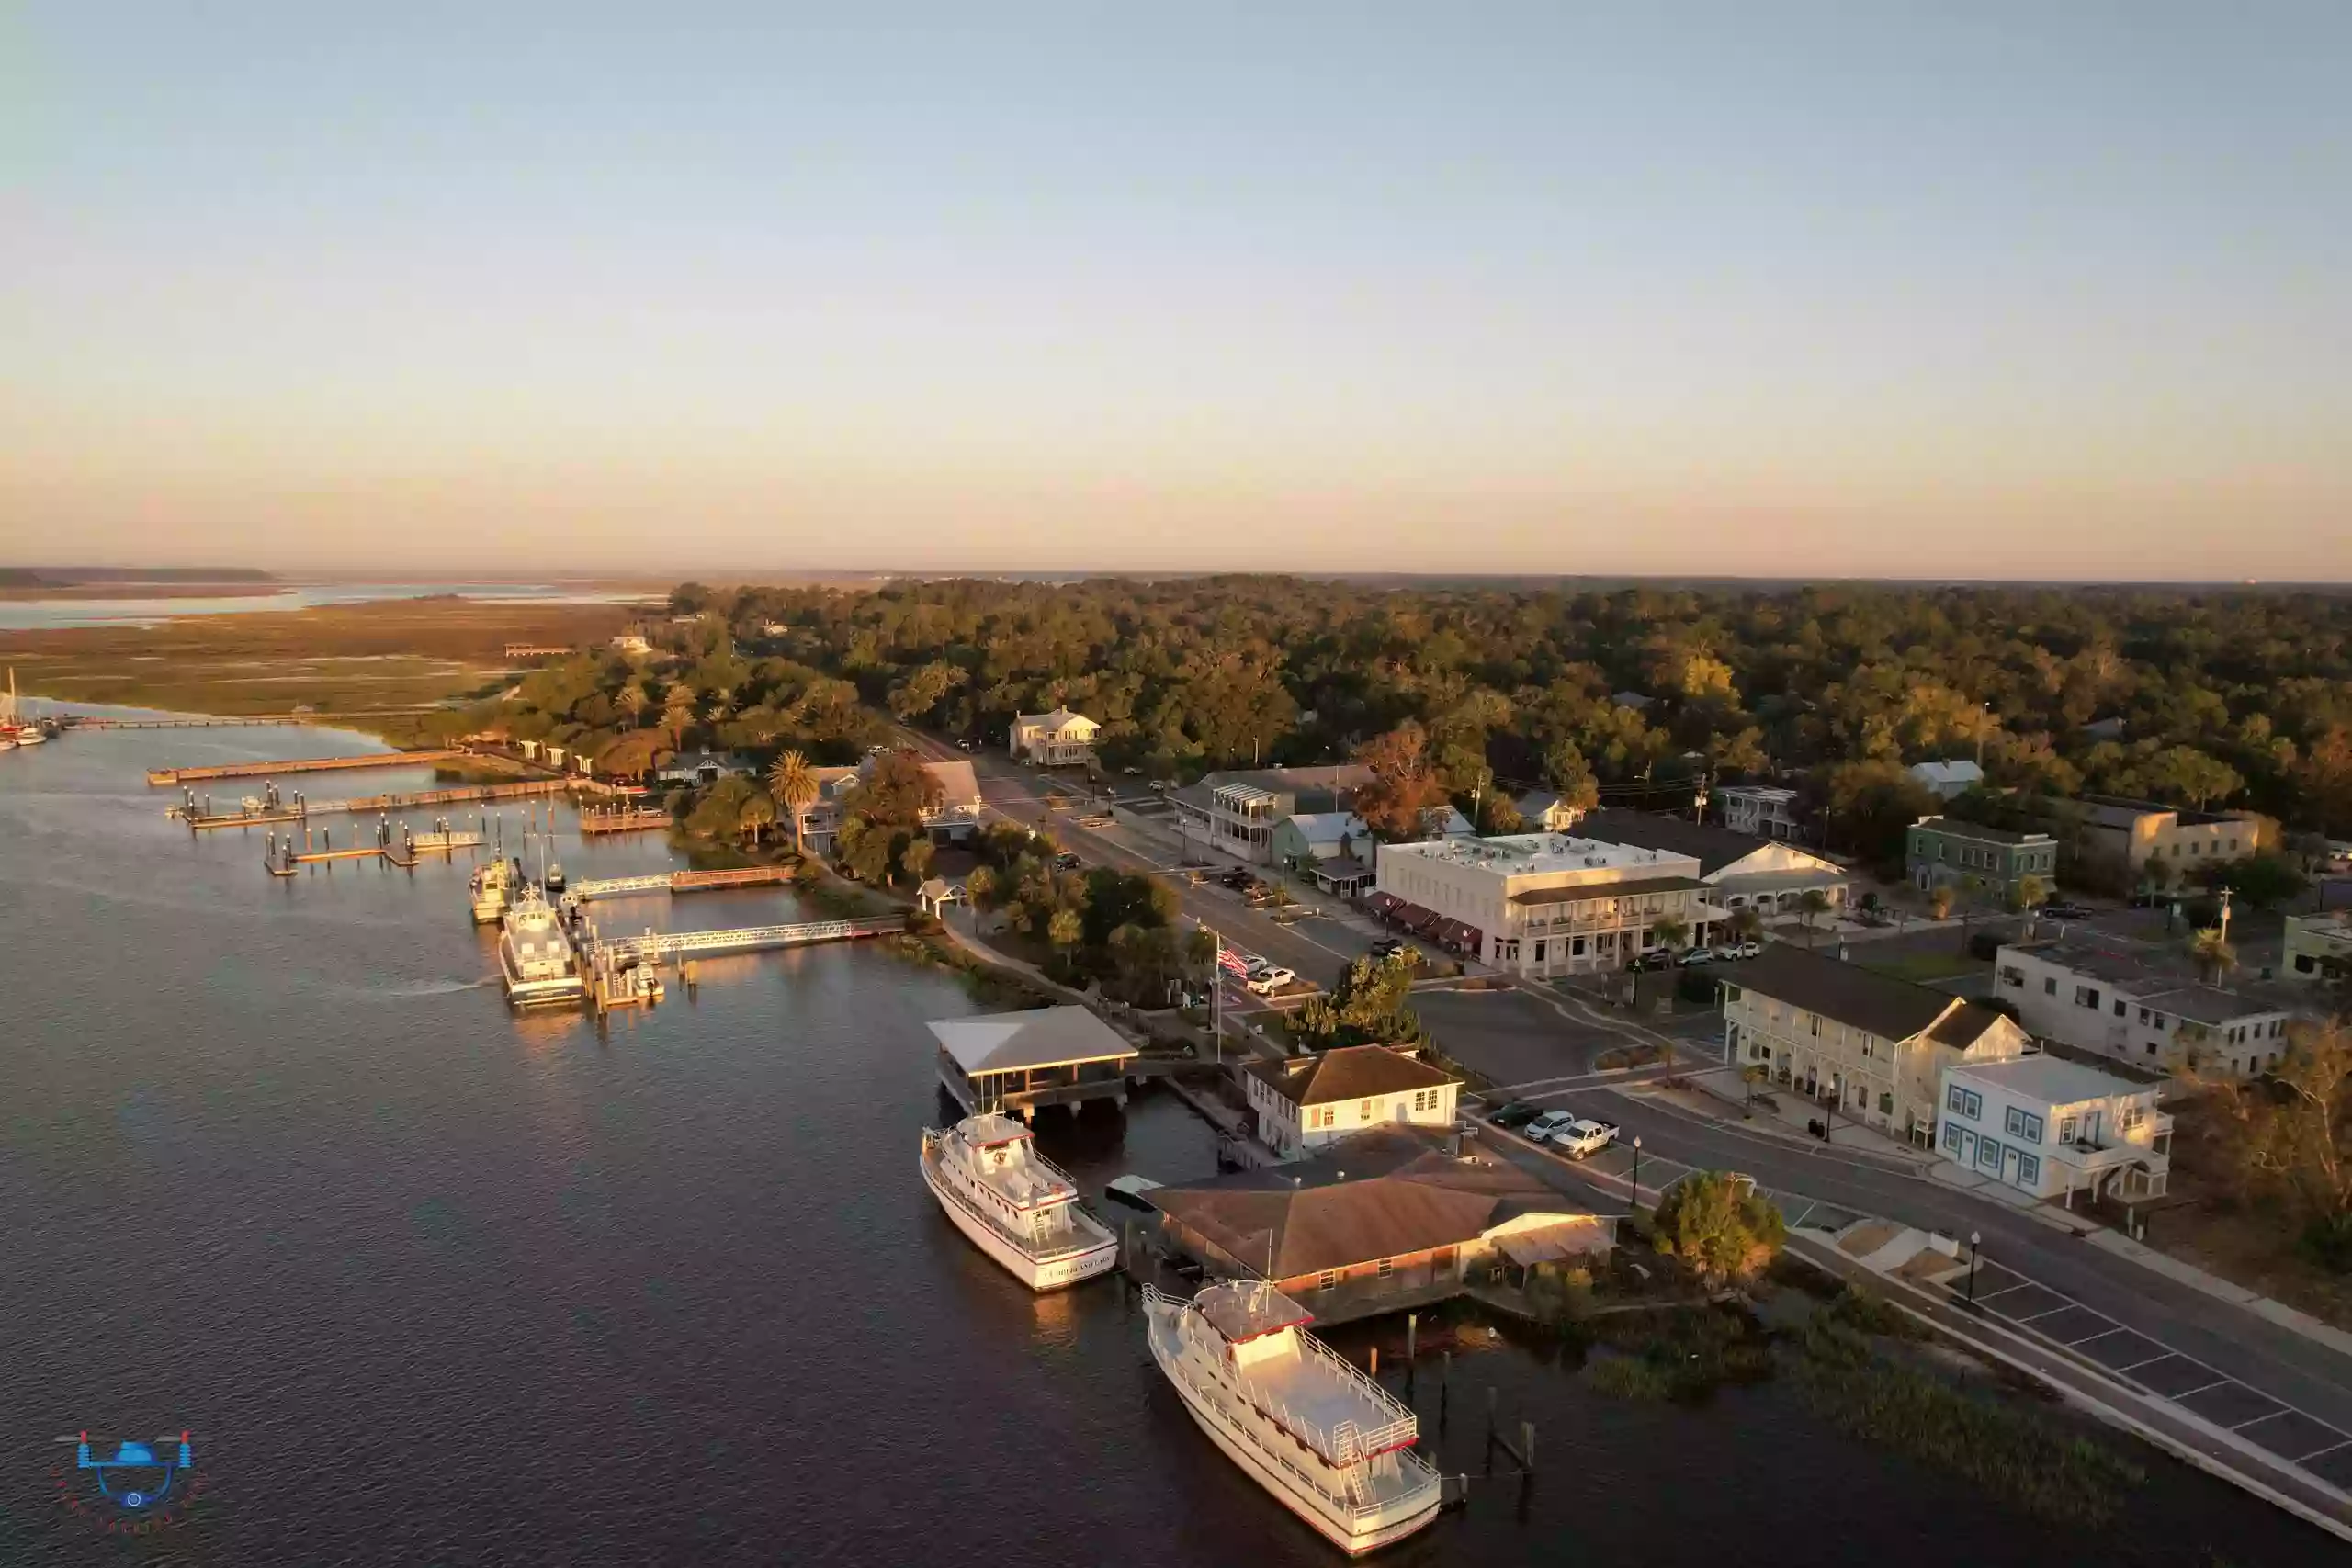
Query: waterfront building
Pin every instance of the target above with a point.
(2145, 1004)
(1869, 1046)
(1308, 1101)
(1016, 1062)
(1379, 1221)
(1057, 739)
(956, 816)
(2054, 1128)
(1542, 903)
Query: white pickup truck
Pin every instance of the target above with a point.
(1584, 1136)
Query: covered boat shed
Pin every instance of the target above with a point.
(1015, 1062)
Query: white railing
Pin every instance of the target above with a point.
(1028, 1245)
(613, 886)
(744, 939)
(1396, 1410)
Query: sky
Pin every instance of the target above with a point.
(1977, 290)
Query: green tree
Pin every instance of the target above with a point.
(985, 889)
(1403, 785)
(1064, 929)
(1371, 1005)
(1715, 1223)
(2185, 774)
(2029, 893)
(1812, 904)
(915, 860)
(755, 816)
(634, 700)
(1670, 932)
(1745, 924)
(1570, 776)
(2263, 881)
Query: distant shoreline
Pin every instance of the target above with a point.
(127, 590)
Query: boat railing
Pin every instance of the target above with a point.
(1397, 1411)
(1028, 1245)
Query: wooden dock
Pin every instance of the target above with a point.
(637, 819)
(166, 777)
(462, 794)
(677, 881)
(653, 946)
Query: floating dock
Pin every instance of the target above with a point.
(167, 776)
(654, 946)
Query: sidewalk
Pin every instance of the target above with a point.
(2211, 1448)
(1723, 1086)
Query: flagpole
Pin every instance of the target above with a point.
(1216, 997)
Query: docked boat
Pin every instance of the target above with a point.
(534, 954)
(489, 889)
(15, 728)
(555, 878)
(1014, 1204)
(1332, 1445)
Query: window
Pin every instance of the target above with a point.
(2022, 1124)
(2156, 1022)
(1731, 993)
(1966, 1101)
(1575, 947)
(2013, 975)
(2066, 1130)
(1951, 1137)
(1955, 1097)
(2050, 987)
(1988, 1155)
(1327, 1281)
(1364, 1110)
(2144, 1015)
(2304, 964)
(2085, 996)
(2119, 1006)
(1386, 1268)
(1816, 1019)
(1885, 1104)
(2028, 1170)
(2132, 1116)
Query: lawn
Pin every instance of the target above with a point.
(1923, 967)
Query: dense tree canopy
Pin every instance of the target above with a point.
(2201, 697)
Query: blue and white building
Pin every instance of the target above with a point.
(2054, 1128)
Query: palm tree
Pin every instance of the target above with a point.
(678, 713)
(2030, 892)
(634, 700)
(983, 889)
(758, 813)
(1812, 904)
(792, 785)
(1064, 931)
(1670, 931)
(1745, 924)
(2214, 956)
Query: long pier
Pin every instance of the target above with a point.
(677, 881)
(164, 777)
(655, 945)
(632, 819)
(464, 793)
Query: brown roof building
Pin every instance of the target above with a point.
(1308, 1101)
(1379, 1220)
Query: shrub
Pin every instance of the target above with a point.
(1718, 1225)
(2326, 1241)
(1984, 945)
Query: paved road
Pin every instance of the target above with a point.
(2283, 1365)
(1317, 949)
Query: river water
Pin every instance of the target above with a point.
(54, 615)
(432, 1285)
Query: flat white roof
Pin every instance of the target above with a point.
(1043, 1037)
(1532, 854)
(2050, 1080)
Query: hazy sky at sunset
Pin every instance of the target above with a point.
(1975, 289)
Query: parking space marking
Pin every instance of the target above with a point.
(2151, 1361)
(2257, 1421)
(2319, 1453)
(2201, 1387)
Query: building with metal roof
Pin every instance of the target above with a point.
(1019, 1061)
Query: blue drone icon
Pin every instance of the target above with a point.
(136, 1457)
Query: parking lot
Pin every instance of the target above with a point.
(1511, 1037)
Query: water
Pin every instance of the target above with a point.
(54, 615)
(434, 1286)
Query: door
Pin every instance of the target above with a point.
(1400, 1113)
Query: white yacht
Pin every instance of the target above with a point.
(536, 955)
(1334, 1446)
(987, 1173)
(489, 889)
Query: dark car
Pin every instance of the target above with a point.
(1388, 947)
(1518, 1113)
(1066, 860)
(1656, 958)
(2061, 911)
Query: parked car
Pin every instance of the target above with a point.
(1583, 1138)
(1696, 955)
(1731, 950)
(1067, 861)
(1517, 1113)
(1131, 772)
(1544, 1126)
(1656, 958)
(963, 745)
(2060, 909)
(1266, 982)
(1252, 965)
(1875, 917)
(1161, 785)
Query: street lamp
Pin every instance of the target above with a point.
(1975, 1241)
(1635, 1201)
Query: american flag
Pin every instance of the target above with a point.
(1232, 962)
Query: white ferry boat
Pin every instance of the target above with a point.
(488, 888)
(536, 955)
(987, 1173)
(1334, 1446)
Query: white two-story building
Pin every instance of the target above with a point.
(1763, 811)
(2054, 1128)
(1308, 1101)
(1057, 740)
(2143, 1005)
(1544, 904)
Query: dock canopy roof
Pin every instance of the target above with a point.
(1016, 1041)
